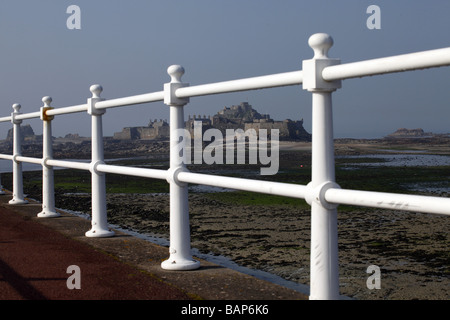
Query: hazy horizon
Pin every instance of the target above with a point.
(380, 135)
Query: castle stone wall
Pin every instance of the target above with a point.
(241, 116)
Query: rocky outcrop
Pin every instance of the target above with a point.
(409, 133)
(26, 132)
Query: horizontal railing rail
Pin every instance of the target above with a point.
(134, 171)
(393, 201)
(261, 186)
(320, 76)
(69, 164)
(128, 101)
(399, 63)
(6, 157)
(67, 110)
(255, 83)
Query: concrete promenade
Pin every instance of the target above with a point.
(35, 254)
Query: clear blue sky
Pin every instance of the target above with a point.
(126, 46)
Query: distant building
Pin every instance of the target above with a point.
(241, 116)
(157, 129)
(244, 117)
(288, 129)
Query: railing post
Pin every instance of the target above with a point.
(99, 219)
(18, 197)
(180, 239)
(324, 277)
(48, 183)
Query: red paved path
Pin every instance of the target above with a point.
(34, 261)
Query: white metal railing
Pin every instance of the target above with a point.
(321, 76)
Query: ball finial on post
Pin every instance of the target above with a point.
(170, 98)
(47, 100)
(175, 72)
(320, 43)
(96, 90)
(312, 69)
(16, 107)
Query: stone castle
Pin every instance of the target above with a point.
(156, 129)
(241, 116)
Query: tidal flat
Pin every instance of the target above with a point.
(272, 233)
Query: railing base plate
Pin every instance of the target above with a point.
(48, 214)
(180, 265)
(17, 202)
(99, 233)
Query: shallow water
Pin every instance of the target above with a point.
(401, 160)
(441, 188)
